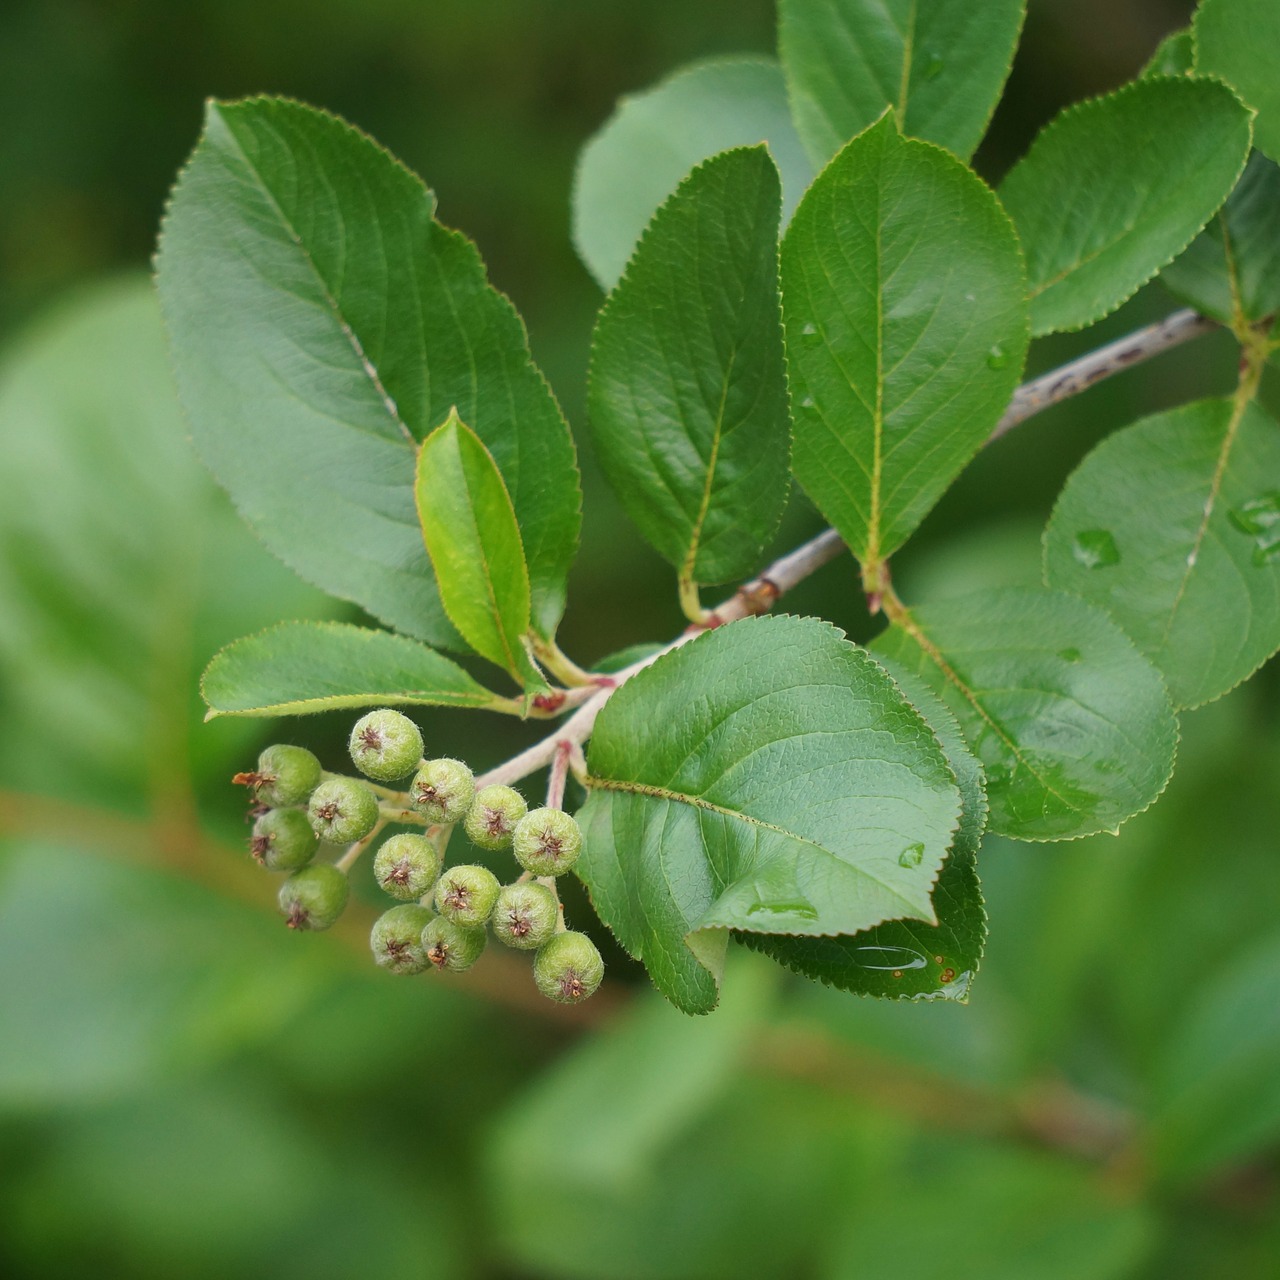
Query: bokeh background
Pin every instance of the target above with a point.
(188, 1090)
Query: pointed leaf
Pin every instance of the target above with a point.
(939, 65)
(1071, 723)
(322, 323)
(469, 527)
(1231, 271)
(1173, 525)
(299, 668)
(654, 138)
(1116, 187)
(913, 959)
(903, 295)
(767, 777)
(1239, 41)
(688, 387)
(1175, 55)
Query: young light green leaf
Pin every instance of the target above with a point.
(1231, 271)
(654, 138)
(688, 390)
(470, 530)
(1239, 40)
(1175, 55)
(1173, 525)
(939, 65)
(1116, 187)
(904, 300)
(322, 323)
(913, 959)
(767, 777)
(298, 668)
(1071, 723)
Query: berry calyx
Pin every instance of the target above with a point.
(568, 969)
(524, 916)
(547, 842)
(442, 791)
(282, 840)
(466, 894)
(385, 745)
(285, 775)
(396, 939)
(450, 946)
(406, 866)
(314, 897)
(341, 810)
(493, 815)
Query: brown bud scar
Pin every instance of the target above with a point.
(299, 917)
(400, 873)
(253, 779)
(328, 812)
(371, 738)
(572, 987)
(549, 701)
(258, 848)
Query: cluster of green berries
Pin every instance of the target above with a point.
(442, 916)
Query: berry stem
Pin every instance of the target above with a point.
(357, 847)
(550, 883)
(559, 773)
(384, 793)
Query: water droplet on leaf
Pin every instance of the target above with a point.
(997, 358)
(810, 330)
(911, 856)
(1095, 549)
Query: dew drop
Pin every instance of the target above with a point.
(911, 856)
(810, 330)
(1069, 655)
(997, 358)
(807, 402)
(1095, 549)
(971, 297)
(933, 66)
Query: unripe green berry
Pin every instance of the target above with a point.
(406, 866)
(385, 745)
(342, 810)
(314, 897)
(524, 916)
(442, 791)
(466, 895)
(396, 938)
(450, 946)
(493, 816)
(547, 842)
(283, 840)
(568, 969)
(285, 775)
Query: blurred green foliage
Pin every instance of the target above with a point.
(188, 1090)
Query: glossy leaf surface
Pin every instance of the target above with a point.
(766, 777)
(912, 959)
(940, 65)
(322, 323)
(1071, 723)
(1116, 187)
(1173, 525)
(1239, 41)
(655, 138)
(903, 295)
(688, 390)
(298, 668)
(470, 530)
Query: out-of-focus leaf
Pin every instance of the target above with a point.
(122, 568)
(1173, 525)
(322, 324)
(1072, 724)
(1239, 40)
(688, 384)
(1116, 187)
(766, 777)
(939, 65)
(654, 138)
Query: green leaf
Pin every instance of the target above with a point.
(1116, 187)
(299, 668)
(1071, 723)
(322, 323)
(1173, 525)
(904, 300)
(1175, 55)
(767, 777)
(1239, 40)
(939, 65)
(912, 959)
(470, 530)
(654, 138)
(688, 390)
(1231, 271)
